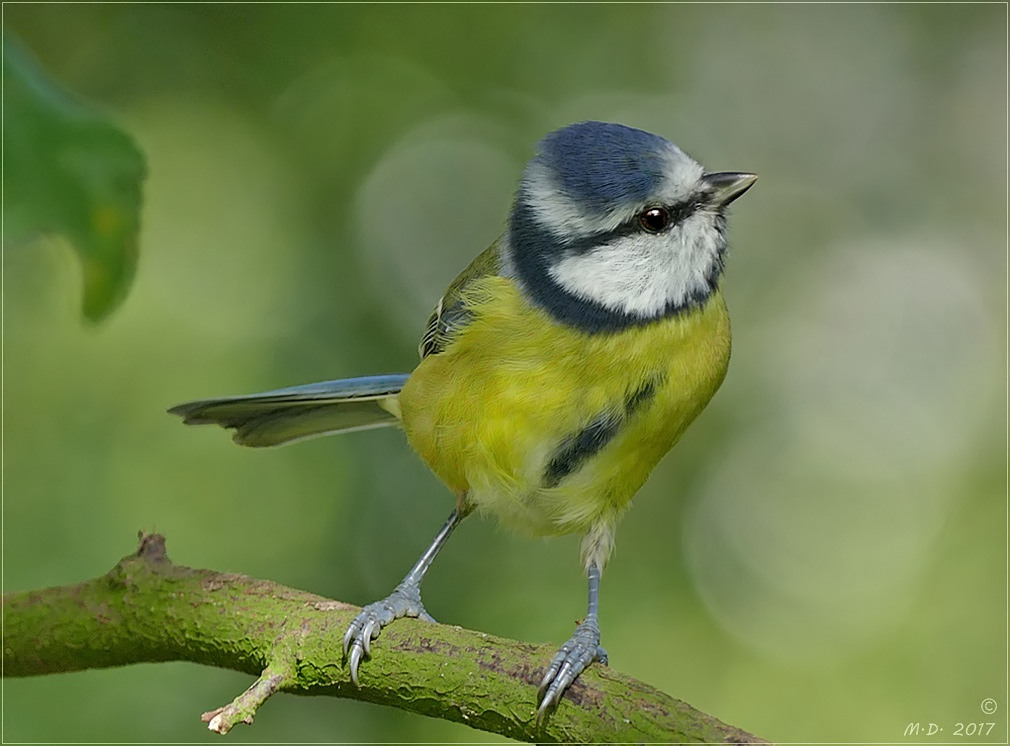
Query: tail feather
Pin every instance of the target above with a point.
(282, 416)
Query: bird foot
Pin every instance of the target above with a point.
(405, 600)
(582, 649)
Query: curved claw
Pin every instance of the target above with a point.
(405, 600)
(581, 650)
(369, 632)
(349, 635)
(356, 653)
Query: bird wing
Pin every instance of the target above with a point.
(451, 314)
(285, 415)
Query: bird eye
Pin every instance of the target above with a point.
(654, 219)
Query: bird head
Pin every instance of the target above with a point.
(613, 227)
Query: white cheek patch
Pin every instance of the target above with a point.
(644, 275)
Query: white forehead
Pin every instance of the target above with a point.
(564, 215)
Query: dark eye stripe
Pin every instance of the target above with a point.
(681, 211)
(670, 216)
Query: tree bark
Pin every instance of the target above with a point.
(148, 609)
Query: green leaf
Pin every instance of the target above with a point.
(68, 170)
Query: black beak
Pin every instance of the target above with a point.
(726, 186)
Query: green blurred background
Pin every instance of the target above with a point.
(823, 557)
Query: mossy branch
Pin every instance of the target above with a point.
(148, 609)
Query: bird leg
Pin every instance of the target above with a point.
(405, 600)
(582, 649)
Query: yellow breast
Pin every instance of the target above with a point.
(550, 429)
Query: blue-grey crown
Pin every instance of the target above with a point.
(598, 164)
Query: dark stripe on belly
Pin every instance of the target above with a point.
(575, 450)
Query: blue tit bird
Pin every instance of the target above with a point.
(556, 370)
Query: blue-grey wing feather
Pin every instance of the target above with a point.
(285, 415)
